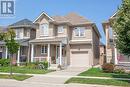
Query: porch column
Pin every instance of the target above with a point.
(60, 54)
(48, 54)
(116, 61)
(18, 57)
(32, 53)
(6, 53)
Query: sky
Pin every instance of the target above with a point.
(95, 10)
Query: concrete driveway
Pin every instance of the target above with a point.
(58, 77)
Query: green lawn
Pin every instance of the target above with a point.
(97, 72)
(99, 81)
(25, 70)
(16, 77)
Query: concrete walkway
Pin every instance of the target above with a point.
(58, 77)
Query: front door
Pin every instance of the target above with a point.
(58, 54)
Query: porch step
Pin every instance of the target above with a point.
(53, 66)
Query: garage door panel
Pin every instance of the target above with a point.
(79, 59)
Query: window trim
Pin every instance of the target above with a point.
(17, 33)
(59, 27)
(27, 32)
(44, 49)
(79, 31)
(42, 31)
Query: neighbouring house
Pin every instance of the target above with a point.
(25, 31)
(3, 49)
(69, 40)
(102, 53)
(112, 53)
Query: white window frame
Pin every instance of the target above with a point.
(60, 29)
(79, 32)
(44, 49)
(43, 31)
(17, 33)
(27, 32)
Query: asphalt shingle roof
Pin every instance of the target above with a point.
(24, 22)
(72, 18)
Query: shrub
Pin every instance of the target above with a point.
(31, 65)
(45, 64)
(4, 62)
(119, 70)
(108, 68)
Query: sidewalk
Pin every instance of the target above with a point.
(68, 76)
(14, 83)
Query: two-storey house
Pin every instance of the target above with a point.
(112, 53)
(69, 40)
(25, 31)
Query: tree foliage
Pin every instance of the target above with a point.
(10, 43)
(121, 26)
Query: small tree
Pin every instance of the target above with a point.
(121, 26)
(11, 44)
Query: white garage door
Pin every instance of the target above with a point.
(79, 59)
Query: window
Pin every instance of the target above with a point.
(26, 32)
(79, 31)
(60, 29)
(44, 29)
(17, 33)
(43, 49)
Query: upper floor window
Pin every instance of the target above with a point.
(79, 31)
(44, 29)
(17, 33)
(26, 32)
(43, 49)
(60, 29)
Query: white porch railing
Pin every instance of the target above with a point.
(40, 59)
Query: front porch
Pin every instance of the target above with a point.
(54, 53)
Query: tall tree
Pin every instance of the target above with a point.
(11, 44)
(121, 26)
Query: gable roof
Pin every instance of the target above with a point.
(40, 16)
(72, 18)
(22, 23)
